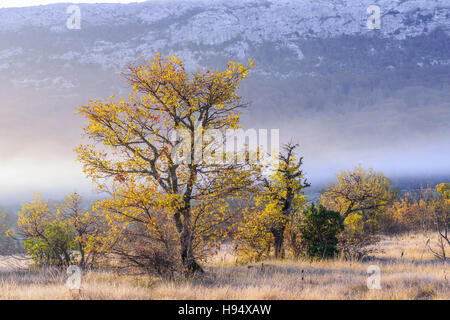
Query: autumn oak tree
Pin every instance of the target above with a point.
(358, 191)
(361, 197)
(132, 143)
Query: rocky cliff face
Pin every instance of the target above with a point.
(200, 30)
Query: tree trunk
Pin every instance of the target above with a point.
(188, 260)
(82, 264)
(66, 257)
(187, 256)
(190, 264)
(278, 236)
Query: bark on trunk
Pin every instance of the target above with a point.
(187, 256)
(278, 236)
(188, 260)
(82, 264)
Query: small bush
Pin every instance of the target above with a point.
(143, 250)
(54, 247)
(319, 231)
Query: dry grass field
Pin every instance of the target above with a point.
(408, 271)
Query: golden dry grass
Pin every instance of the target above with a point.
(408, 271)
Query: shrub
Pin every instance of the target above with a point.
(319, 230)
(59, 235)
(47, 239)
(406, 214)
(253, 237)
(53, 247)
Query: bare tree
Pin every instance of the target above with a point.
(441, 216)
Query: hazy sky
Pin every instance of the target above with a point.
(28, 3)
